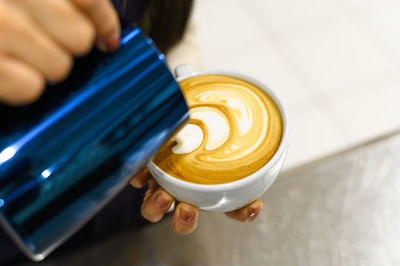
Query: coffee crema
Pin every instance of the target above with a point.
(234, 129)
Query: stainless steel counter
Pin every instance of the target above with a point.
(341, 210)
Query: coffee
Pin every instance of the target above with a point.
(234, 129)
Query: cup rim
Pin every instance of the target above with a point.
(274, 159)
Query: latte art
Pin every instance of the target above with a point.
(234, 129)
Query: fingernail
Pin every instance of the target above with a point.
(113, 42)
(138, 180)
(135, 183)
(109, 44)
(101, 45)
(186, 215)
(252, 214)
(161, 201)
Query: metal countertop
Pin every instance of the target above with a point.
(340, 210)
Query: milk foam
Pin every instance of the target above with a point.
(217, 124)
(217, 127)
(187, 139)
(242, 112)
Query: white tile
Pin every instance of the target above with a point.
(374, 5)
(372, 113)
(337, 59)
(386, 21)
(340, 59)
(312, 136)
(299, 18)
(223, 30)
(378, 20)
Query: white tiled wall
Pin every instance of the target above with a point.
(335, 63)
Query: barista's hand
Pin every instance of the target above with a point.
(39, 38)
(184, 221)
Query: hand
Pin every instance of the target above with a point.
(184, 221)
(38, 40)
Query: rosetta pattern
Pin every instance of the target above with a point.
(241, 128)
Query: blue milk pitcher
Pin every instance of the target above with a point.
(65, 156)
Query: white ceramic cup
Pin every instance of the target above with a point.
(233, 195)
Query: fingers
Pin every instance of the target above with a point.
(155, 204)
(73, 24)
(247, 213)
(28, 43)
(20, 83)
(105, 19)
(64, 22)
(156, 201)
(42, 39)
(184, 221)
(141, 178)
(185, 218)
